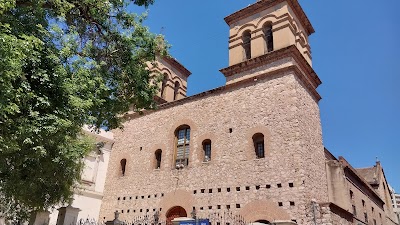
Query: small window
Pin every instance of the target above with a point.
(354, 210)
(207, 150)
(269, 39)
(247, 44)
(182, 146)
(363, 203)
(366, 217)
(351, 195)
(157, 156)
(258, 140)
(164, 85)
(176, 90)
(123, 166)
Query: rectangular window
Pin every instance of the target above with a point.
(207, 150)
(260, 149)
(182, 148)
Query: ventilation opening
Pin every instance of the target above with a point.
(123, 166)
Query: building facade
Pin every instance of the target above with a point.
(396, 203)
(252, 147)
(88, 197)
(362, 194)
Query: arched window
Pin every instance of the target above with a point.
(157, 155)
(164, 85)
(269, 39)
(176, 90)
(182, 146)
(258, 140)
(123, 166)
(207, 150)
(247, 44)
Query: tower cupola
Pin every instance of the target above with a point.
(266, 26)
(267, 38)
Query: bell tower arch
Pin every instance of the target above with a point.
(267, 38)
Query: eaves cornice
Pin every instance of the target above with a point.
(308, 75)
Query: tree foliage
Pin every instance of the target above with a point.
(63, 64)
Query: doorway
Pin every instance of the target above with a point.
(175, 212)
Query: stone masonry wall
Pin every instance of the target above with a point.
(311, 158)
(285, 179)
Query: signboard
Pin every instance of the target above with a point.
(197, 222)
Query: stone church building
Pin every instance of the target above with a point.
(252, 147)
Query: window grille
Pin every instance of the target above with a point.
(207, 150)
(258, 140)
(260, 149)
(182, 148)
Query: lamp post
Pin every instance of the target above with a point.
(194, 216)
(314, 202)
(156, 217)
(193, 213)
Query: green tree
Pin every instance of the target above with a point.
(63, 64)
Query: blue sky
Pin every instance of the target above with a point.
(356, 54)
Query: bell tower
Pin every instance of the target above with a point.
(173, 85)
(262, 34)
(265, 26)
(269, 54)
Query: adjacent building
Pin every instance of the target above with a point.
(363, 194)
(396, 203)
(87, 199)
